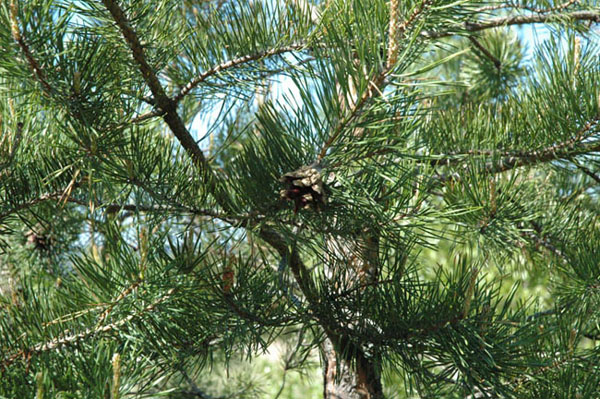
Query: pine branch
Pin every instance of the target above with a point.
(510, 158)
(163, 102)
(587, 171)
(143, 117)
(549, 154)
(109, 307)
(361, 287)
(176, 125)
(591, 16)
(246, 315)
(14, 147)
(523, 7)
(545, 243)
(209, 73)
(486, 52)
(31, 203)
(234, 63)
(299, 270)
(377, 83)
(565, 150)
(557, 364)
(71, 339)
(132, 287)
(232, 219)
(20, 39)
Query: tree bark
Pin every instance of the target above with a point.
(348, 372)
(350, 375)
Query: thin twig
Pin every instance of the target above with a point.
(517, 20)
(20, 39)
(486, 52)
(16, 141)
(545, 243)
(522, 7)
(70, 339)
(546, 155)
(507, 157)
(528, 159)
(361, 287)
(244, 314)
(146, 116)
(75, 315)
(234, 63)
(289, 363)
(564, 150)
(376, 82)
(31, 203)
(587, 171)
(118, 299)
(233, 219)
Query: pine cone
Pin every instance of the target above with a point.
(40, 241)
(305, 187)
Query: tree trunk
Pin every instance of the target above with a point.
(349, 377)
(348, 372)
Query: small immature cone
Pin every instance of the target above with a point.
(116, 365)
(14, 25)
(228, 278)
(393, 35)
(39, 381)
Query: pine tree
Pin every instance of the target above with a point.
(408, 189)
